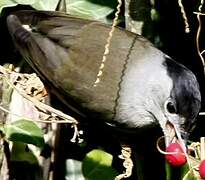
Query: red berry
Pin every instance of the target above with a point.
(178, 157)
(202, 169)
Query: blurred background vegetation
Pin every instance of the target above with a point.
(160, 21)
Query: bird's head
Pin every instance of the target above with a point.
(159, 91)
(183, 104)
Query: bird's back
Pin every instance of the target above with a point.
(69, 52)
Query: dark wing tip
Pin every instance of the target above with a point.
(13, 23)
(16, 30)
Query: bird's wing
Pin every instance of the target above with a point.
(68, 52)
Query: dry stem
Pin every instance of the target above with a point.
(39, 105)
(187, 30)
(128, 164)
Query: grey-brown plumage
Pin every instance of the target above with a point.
(139, 86)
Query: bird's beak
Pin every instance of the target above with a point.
(173, 134)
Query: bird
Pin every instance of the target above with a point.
(140, 85)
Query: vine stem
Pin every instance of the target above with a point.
(187, 29)
(199, 32)
(107, 45)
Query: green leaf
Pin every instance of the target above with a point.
(187, 174)
(25, 1)
(88, 9)
(191, 176)
(6, 3)
(47, 5)
(184, 172)
(37, 4)
(24, 131)
(21, 152)
(97, 165)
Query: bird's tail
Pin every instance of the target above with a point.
(17, 31)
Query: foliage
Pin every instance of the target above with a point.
(90, 9)
(24, 131)
(98, 165)
(21, 152)
(87, 9)
(37, 4)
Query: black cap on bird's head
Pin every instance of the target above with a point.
(183, 105)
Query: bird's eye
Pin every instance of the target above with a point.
(171, 108)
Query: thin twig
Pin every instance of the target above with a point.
(66, 118)
(107, 45)
(201, 113)
(199, 32)
(199, 13)
(37, 103)
(36, 120)
(202, 52)
(126, 152)
(187, 30)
